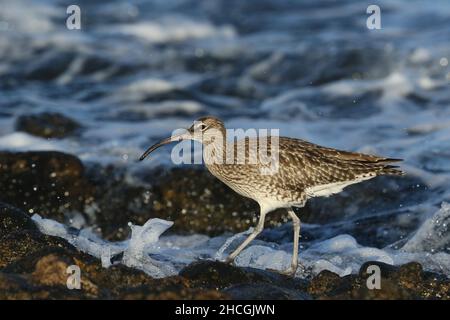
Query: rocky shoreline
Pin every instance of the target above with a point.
(34, 266)
(58, 186)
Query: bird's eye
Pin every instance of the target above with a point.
(202, 126)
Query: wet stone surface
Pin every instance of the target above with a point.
(408, 281)
(50, 183)
(34, 266)
(47, 125)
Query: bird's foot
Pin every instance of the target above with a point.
(291, 271)
(288, 272)
(229, 260)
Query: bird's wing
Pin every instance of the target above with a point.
(340, 154)
(310, 165)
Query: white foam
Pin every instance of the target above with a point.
(433, 235)
(147, 86)
(143, 242)
(27, 16)
(227, 244)
(172, 29)
(136, 251)
(22, 141)
(161, 256)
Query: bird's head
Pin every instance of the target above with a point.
(205, 130)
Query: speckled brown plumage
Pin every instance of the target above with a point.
(304, 170)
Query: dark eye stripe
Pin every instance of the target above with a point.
(202, 126)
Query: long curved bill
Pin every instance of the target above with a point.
(174, 138)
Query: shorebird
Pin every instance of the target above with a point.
(304, 170)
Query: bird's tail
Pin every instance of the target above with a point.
(391, 171)
(381, 167)
(385, 168)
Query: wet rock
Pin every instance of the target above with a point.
(13, 219)
(408, 281)
(11, 282)
(171, 289)
(19, 287)
(213, 274)
(47, 125)
(51, 270)
(244, 283)
(29, 267)
(34, 266)
(43, 275)
(325, 282)
(20, 244)
(48, 183)
(21, 238)
(263, 291)
(410, 275)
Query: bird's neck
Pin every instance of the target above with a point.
(214, 149)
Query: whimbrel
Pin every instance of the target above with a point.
(305, 170)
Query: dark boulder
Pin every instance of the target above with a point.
(13, 219)
(46, 182)
(407, 281)
(47, 125)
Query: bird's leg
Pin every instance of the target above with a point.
(294, 262)
(259, 227)
(296, 224)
